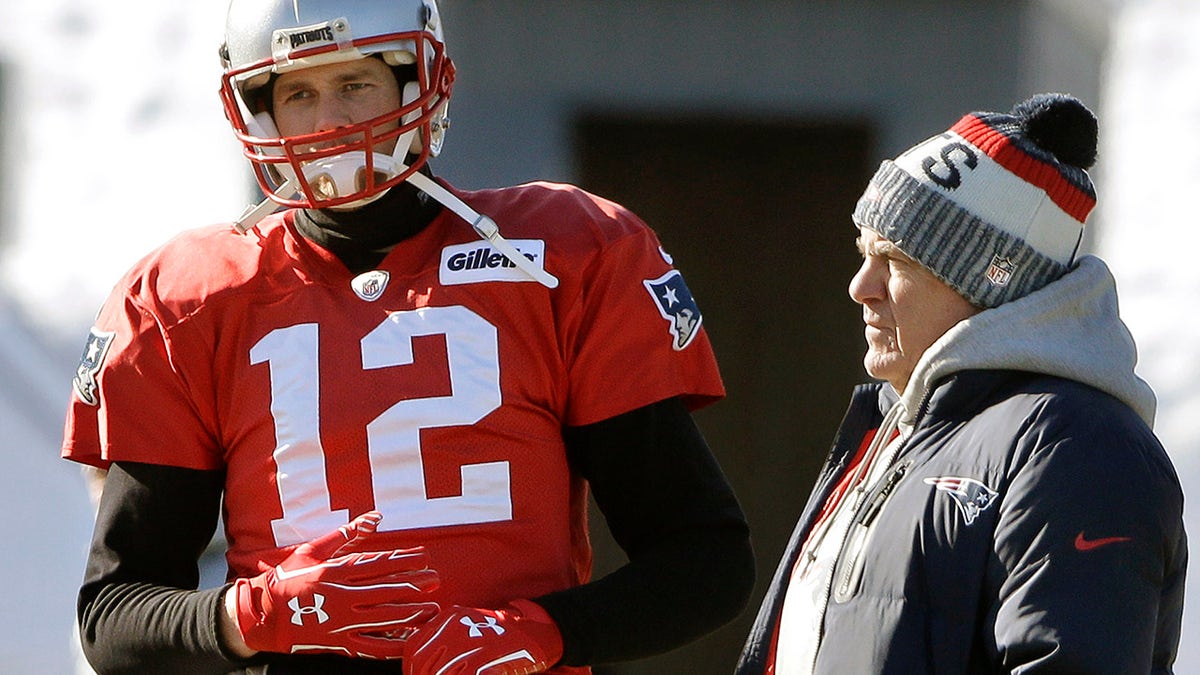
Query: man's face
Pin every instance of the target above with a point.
(335, 95)
(905, 308)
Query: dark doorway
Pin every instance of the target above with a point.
(757, 217)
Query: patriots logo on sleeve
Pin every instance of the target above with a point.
(677, 307)
(89, 364)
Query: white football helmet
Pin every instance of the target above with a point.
(337, 168)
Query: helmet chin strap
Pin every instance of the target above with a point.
(256, 212)
(485, 227)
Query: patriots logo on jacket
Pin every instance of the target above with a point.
(971, 496)
(676, 305)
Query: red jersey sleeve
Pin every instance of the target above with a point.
(641, 337)
(128, 401)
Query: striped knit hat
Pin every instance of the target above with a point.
(995, 206)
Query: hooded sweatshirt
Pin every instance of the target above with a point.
(1069, 329)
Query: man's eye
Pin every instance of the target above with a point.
(295, 96)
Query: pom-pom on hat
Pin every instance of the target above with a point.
(995, 206)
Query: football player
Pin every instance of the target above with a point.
(395, 394)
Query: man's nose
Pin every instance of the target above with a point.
(869, 282)
(331, 113)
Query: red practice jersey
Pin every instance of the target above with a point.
(433, 389)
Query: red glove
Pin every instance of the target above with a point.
(517, 639)
(331, 595)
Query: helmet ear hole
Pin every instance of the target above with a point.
(405, 74)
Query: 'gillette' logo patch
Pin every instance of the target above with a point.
(477, 261)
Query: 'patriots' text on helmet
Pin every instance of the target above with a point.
(341, 167)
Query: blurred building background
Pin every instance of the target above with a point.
(743, 132)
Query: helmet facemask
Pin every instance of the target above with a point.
(354, 164)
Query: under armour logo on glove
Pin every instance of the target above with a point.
(518, 639)
(364, 604)
(475, 629)
(298, 611)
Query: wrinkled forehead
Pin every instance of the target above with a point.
(870, 242)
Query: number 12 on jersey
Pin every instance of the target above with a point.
(393, 438)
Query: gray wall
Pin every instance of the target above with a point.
(911, 66)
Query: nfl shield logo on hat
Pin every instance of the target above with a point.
(1000, 270)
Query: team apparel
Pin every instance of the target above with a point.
(1021, 518)
(433, 389)
(337, 595)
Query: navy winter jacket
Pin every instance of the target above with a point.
(997, 552)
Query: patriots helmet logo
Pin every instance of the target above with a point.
(677, 307)
(971, 496)
(89, 364)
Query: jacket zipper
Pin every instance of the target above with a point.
(852, 561)
(874, 506)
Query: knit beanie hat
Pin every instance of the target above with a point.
(995, 206)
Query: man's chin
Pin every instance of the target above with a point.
(882, 365)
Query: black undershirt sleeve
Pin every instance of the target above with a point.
(671, 509)
(138, 608)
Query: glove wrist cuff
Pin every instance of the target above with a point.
(539, 625)
(250, 613)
